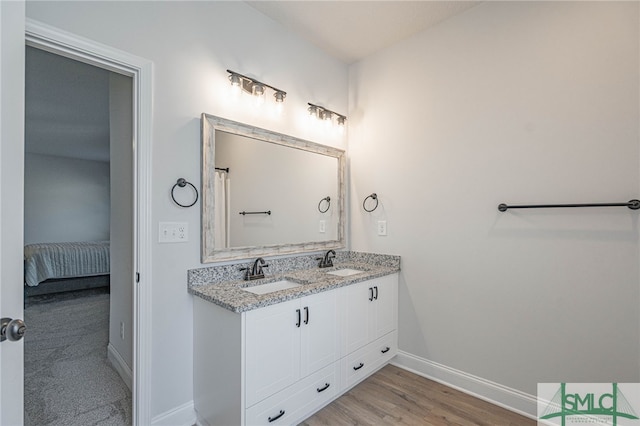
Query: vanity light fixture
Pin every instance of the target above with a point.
(254, 87)
(326, 114)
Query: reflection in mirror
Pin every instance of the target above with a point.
(288, 183)
(265, 193)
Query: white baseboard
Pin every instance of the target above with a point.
(119, 364)
(183, 415)
(495, 393)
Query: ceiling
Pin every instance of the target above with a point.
(352, 30)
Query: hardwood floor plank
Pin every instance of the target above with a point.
(393, 396)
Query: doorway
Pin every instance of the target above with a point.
(139, 69)
(78, 228)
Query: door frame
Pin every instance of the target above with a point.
(69, 45)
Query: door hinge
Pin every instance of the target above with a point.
(137, 277)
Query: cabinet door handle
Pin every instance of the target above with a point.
(371, 296)
(273, 419)
(358, 367)
(385, 350)
(299, 317)
(324, 388)
(376, 287)
(306, 315)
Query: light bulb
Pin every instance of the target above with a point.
(325, 116)
(257, 90)
(280, 96)
(236, 84)
(235, 80)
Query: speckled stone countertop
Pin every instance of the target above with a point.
(229, 293)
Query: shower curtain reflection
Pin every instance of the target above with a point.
(221, 210)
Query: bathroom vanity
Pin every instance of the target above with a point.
(275, 350)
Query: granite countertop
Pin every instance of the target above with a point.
(230, 294)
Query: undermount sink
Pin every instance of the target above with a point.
(345, 272)
(271, 287)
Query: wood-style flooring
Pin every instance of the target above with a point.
(394, 396)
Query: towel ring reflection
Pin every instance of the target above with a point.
(182, 183)
(374, 197)
(328, 200)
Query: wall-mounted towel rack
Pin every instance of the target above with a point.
(374, 197)
(327, 199)
(223, 169)
(245, 213)
(181, 183)
(632, 204)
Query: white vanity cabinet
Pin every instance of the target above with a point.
(279, 364)
(370, 322)
(288, 341)
(371, 311)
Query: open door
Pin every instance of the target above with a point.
(12, 21)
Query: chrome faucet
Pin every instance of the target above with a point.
(327, 260)
(256, 271)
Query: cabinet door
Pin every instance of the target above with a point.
(319, 334)
(272, 350)
(385, 305)
(356, 329)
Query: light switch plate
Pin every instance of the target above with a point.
(173, 232)
(382, 227)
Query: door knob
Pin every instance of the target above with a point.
(12, 329)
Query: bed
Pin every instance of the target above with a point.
(57, 267)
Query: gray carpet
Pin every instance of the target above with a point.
(68, 379)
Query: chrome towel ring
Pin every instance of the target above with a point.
(328, 200)
(374, 197)
(182, 183)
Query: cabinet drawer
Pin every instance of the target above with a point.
(293, 404)
(361, 363)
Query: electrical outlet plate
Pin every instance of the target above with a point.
(173, 232)
(322, 227)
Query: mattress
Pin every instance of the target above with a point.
(44, 261)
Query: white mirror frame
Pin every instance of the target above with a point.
(208, 252)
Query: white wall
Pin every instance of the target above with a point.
(121, 215)
(65, 199)
(514, 102)
(191, 45)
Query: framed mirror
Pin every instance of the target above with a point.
(265, 193)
